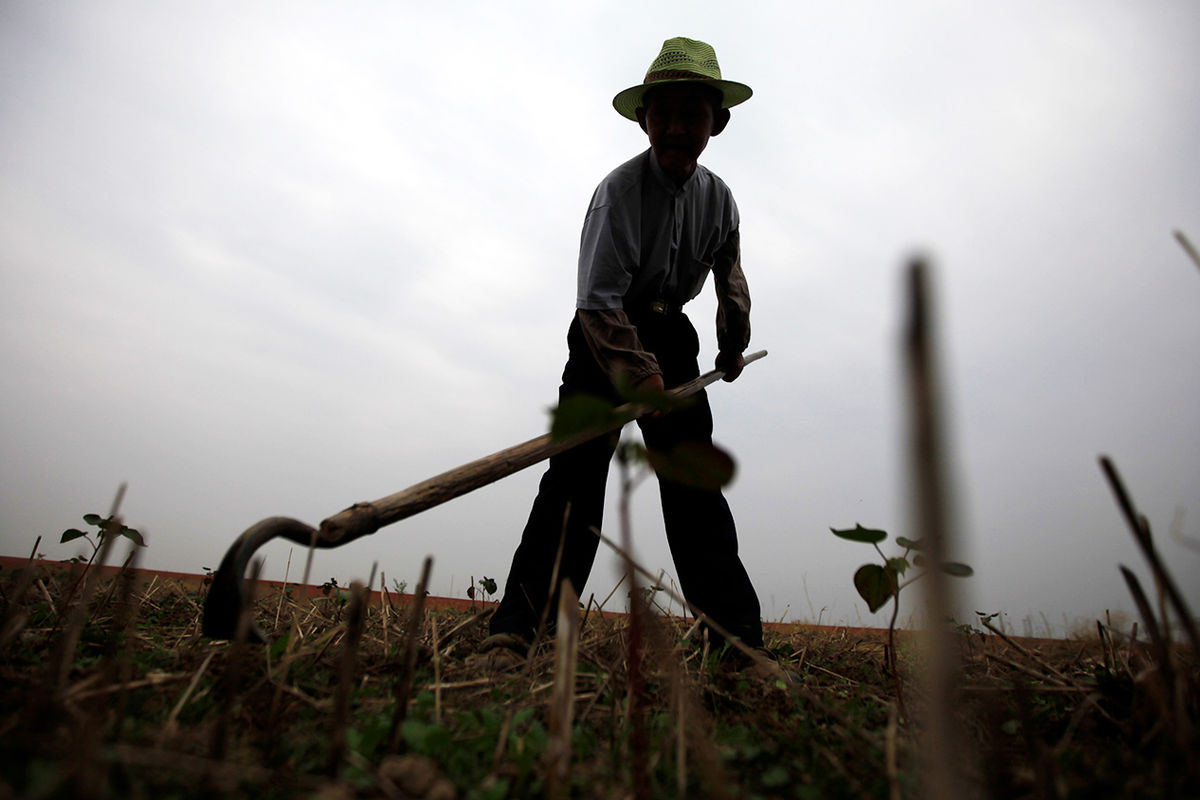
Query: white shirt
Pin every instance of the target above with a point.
(645, 239)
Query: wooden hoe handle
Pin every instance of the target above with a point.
(226, 595)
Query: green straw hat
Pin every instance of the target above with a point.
(682, 61)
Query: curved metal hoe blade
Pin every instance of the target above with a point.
(227, 594)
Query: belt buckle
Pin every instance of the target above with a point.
(659, 307)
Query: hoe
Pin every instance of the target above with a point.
(227, 594)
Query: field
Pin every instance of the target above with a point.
(111, 691)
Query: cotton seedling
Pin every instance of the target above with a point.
(878, 583)
(107, 527)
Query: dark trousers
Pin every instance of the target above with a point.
(700, 528)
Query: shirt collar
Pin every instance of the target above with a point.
(664, 181)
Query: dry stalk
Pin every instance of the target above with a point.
(469, 622)
(77, 617)
(15, 616)
(385, 605)
(283, 590)
(1140, 528)
(638, 742)
(562, 700)
(893, 774)
(842, 722)
(116, 655)
(45, 593)
(1032, 673)
(1187, 247)
(1034, 657)
(437, 670)
(551, 593)
(404, 685)
(341, 704)
(172, 719)
(943, 748)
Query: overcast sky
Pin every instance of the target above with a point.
(265, 259)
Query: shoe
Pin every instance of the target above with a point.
(501, 652)
(768, 667)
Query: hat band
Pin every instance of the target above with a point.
(675, 75)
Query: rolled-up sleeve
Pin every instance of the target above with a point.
(614, 343)
(733, 297)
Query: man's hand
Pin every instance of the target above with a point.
(652, 383)
(731, 364)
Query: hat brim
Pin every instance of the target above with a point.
(732, 93)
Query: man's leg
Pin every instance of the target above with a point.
(700, 527)
(571, 492)
(702, 535)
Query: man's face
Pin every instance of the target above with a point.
(679, 119)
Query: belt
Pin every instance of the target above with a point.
(663, 307)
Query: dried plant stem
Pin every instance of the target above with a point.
(1140, 528)
(287, 570)
(110, 526)
(638, 744)
(341, 703)
(1032, 673)
(404, 685)
(758, 658)
(681, 722)
(1034, 657)
(930, 513)
(562, 701)
(890, 754)
(15, 615)
(172, 719)
(77, 618)
(1187, 247)
(467, 623)
(116, 654)
(437, 670)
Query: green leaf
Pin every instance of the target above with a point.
(775, 776)
(697, 464)
(134, 535)
(909, 544)
(93, 519)
(957, 570)
(898, 565)
(875, 585)
(579, 414)
(71, 534)
(860, 534)
(279, 646)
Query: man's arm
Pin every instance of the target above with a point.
(614, 343)
(733, 307)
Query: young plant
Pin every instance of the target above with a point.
(878, 583)
(487, 586)
(107, 527)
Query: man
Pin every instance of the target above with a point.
(656, 227)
